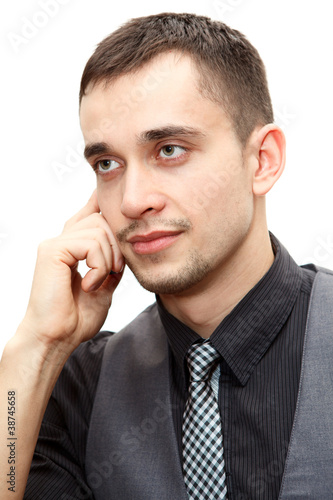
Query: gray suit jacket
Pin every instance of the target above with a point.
(132, 450)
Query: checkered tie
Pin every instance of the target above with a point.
(203, 462)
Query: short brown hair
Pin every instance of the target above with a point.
(230, 68)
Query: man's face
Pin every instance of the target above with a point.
(171, 178)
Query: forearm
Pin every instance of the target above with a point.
(64, 310)
(27, 376)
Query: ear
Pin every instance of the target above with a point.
(271, 157)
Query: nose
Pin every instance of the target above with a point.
(141, 193)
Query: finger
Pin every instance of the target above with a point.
(91, 234)
(70, 251)
(94, 221)
(110, 283)
(90, 208)
(99, 268)
(118, 258)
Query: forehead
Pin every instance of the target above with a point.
(166, 90)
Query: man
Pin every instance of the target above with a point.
(178, 126)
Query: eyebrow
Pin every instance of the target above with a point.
(95, 148)
(98, 148)
(169, 131)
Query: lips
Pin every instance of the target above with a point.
(153, 242)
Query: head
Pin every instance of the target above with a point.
(231, 72)
(176, 117)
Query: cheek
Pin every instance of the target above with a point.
(220, 202)
(206, 198)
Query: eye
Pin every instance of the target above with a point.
(171, 151)
(104, 166)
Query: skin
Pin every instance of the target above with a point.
(219, 245)
(60, 315)
(183, 206)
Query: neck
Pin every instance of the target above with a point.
(204, 306)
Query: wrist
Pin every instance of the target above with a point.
(49, 339)
(33, 361)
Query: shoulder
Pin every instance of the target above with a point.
(317, 269)
(310, 275)
(315, 273)
(321, 298)
(323, 270)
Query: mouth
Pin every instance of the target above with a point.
(144, 244)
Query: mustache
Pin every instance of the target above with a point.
(140, 226)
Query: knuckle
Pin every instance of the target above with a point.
(45, 247)
(67, 226)
(99, 232)
(100, 222)
(96, 245)
(95, 219)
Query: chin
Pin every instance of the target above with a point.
(185, 277)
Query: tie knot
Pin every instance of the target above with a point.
(200, 360)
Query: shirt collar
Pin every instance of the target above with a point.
(243, 337)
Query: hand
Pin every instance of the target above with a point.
(63, 307)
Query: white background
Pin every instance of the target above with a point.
(40, 78)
